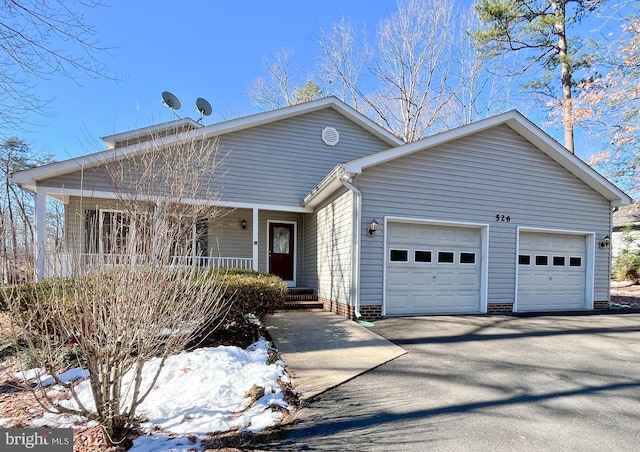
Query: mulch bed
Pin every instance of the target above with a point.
(625, 295)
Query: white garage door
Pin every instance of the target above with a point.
(432, 269)
(551, 272)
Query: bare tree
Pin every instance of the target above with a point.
(274, 91)
(283, 85)
(16, 208)
(478, 91)
(32, 36)
(412, 66)
(403, 83)
(145, 296)
(344, 57)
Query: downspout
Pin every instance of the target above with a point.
(345, 180)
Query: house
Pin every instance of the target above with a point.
(626, 229)
(494, 216)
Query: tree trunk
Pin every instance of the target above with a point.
(12, 220)
(559, 9)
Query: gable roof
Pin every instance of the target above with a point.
(164, 128)
(514, 119)
(30, 177)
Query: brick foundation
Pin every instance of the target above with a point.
(368, 312)
(499, 308)
(600, 305)
(339, 308)
(371, 312)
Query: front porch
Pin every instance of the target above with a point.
(107, 232)
(63, 265)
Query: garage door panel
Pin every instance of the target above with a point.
(552, 287)
(423, 234)
(400, 302)
(433, 287)
(423, 300)
(399, 278)
(400, 232)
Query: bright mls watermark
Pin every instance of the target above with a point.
(36, 439)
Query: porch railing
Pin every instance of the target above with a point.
(68, 264)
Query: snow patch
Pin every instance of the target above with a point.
(198, 392)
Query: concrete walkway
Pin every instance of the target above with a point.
(323, 350)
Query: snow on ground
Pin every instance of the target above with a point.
(200, 392)
(45, 380)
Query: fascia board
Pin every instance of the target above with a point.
(111, 140)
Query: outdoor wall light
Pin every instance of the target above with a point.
(243, 223)
(606, 240)
(373, 227)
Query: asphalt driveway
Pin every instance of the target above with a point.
(552, 382)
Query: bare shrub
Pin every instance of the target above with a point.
(144, 293)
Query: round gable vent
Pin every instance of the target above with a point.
(330, 136)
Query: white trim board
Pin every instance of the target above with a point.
(89, 194)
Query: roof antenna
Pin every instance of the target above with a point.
(171, 101)
(203, 107)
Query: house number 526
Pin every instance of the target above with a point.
(506, 218)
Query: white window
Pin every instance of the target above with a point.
(524, 259)
(542, 260)
(467, 258)
(398, 255)
(575, 262)
(422, 256)
(446, 257)
(558, 261)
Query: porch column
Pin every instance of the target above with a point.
(157, 227)
(256, 229)
(40, 237)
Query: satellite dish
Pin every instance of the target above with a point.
(203, 107)
(170, 100)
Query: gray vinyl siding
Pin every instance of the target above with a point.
(472, 180)
(275, 164)
(334, 248)
(227, 238)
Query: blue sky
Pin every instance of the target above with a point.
(210, 49)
